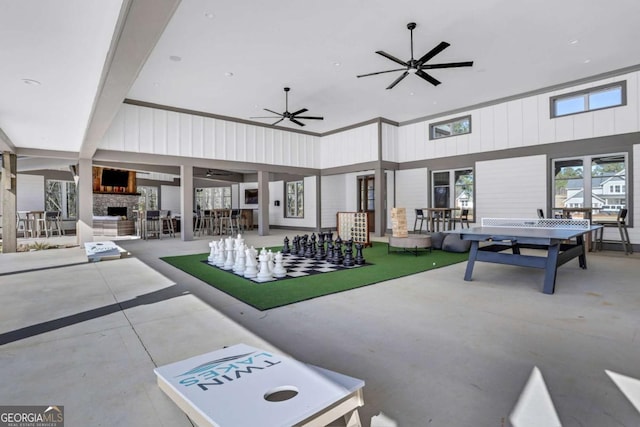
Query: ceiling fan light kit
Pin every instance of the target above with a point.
(419, 65)
(293, 117)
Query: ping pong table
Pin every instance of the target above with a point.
(556, 236)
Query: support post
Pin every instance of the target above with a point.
(186, 202)
(263, 203)
(9, 202)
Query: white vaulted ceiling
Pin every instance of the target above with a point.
(315, 47)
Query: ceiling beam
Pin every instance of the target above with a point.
(139, 27)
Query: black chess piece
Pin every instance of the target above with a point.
(303, 245)
(313, 245)
(286, 249)
(329, 236)
(308, 251)
(348, 254)
(329, 256)
(320, 252)
(359, 258)
(296, 245)
(338, 257)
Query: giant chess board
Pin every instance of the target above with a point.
(298, 266)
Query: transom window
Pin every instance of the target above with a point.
(451, 127)
(597, 98)
(295, 199)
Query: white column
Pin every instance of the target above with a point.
(263, 203)
(186, 202)
(84, 225)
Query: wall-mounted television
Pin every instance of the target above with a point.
(251, 196)
(115, 178)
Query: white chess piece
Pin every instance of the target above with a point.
(221, 254)
(270, 264)
(251, 268)
(228, 264)
(240, 263)
(264, 275)
(278, 270)
(213, 253)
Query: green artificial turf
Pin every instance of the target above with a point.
(264, 296)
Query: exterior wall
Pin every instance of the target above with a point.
(511, 188)
(276, 213)
(390, 135)
(170, 198)
(333, 199)
(412, 192)
(148, 130)
(353, 146)
(523, 122)
(30, 192)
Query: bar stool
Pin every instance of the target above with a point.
(52, 223)
(419, 217)
(464, 218)
(166, 223)
(152, 224)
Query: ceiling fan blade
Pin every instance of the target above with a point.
(398, 80)
(273, 124)
(296, 122)
(302, 110)
(448, 65)
(391, 57)
(265, 117)
(309, 118)
(433, 52)
(382, 72)
(427, 77)
(271, 111)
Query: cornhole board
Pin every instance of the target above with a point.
(245, 386)
(99, 251)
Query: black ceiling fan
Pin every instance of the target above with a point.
(418, 65)
(294, 117)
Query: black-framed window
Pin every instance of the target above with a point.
(453, 127)
(213, 197)
(598, 182)
(61, 196)
(453, 188)
(597, 98)
(294, 191)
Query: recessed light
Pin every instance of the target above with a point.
(586, 61)
(228, 74)
(31, 82)
(175, 58)
(574, 41)
(411, 93)
(209, 15)
(336, 64)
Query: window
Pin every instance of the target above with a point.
(462, 183)
(213, 198)
(453, 127)
(148, 198)
(61, 196)
(605, 183)
(612, 95)
(295, 199)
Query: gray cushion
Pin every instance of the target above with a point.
(436, 240)
(453, 243)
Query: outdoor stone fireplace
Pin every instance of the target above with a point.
(106, 204)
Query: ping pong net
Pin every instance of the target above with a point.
(547, 223)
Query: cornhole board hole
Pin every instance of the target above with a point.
(245, 386)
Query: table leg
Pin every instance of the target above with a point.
(473, 254)
(551, 268)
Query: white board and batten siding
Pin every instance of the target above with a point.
(148, 130)
(412, 191)
(353, 146)
(523, 122)
(333, 199)
(277, 213)
(511, 188)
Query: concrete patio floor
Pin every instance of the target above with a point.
(433, 349)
